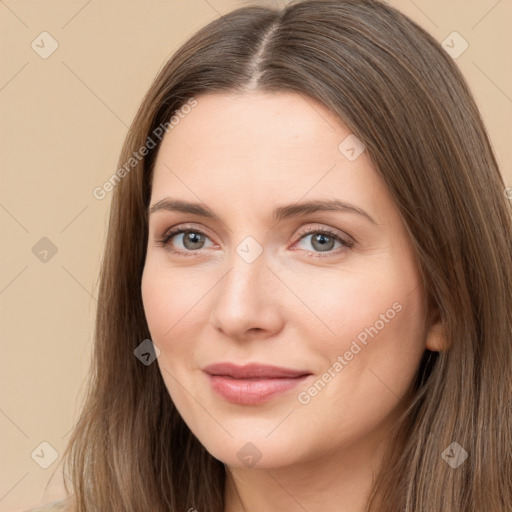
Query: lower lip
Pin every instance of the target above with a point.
(252, 391)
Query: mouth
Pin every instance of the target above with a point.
(254, 383)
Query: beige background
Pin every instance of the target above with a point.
(63, 121)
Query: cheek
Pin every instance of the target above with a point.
(374, 316)
(336, 306)
(176, 307)
(170, 303)
(368, 366)
(171, 299)
(159, 304)
(376, 339)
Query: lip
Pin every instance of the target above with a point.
(253, 383)
(253, 371)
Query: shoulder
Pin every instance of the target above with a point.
(56, 506)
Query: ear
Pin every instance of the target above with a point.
(436, 339)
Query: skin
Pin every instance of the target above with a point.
(296, 305)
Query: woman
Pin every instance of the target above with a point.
(306, 291)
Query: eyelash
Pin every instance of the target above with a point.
(163, 241)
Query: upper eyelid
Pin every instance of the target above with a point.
(302, 230)
(179, 228)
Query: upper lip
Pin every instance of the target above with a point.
(253, 370)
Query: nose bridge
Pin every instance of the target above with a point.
(248, 270)
(244, 285)
(246, 297)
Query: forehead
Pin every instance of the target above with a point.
(277, 123)
(260, 149)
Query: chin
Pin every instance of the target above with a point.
(260, 453)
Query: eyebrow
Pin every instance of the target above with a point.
(279, 213)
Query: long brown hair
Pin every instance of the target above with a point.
(405, 99)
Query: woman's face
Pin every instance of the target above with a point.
(295, 257)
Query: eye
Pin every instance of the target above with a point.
(323, 241)
(191, 239)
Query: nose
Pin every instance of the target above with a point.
(247, 301)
